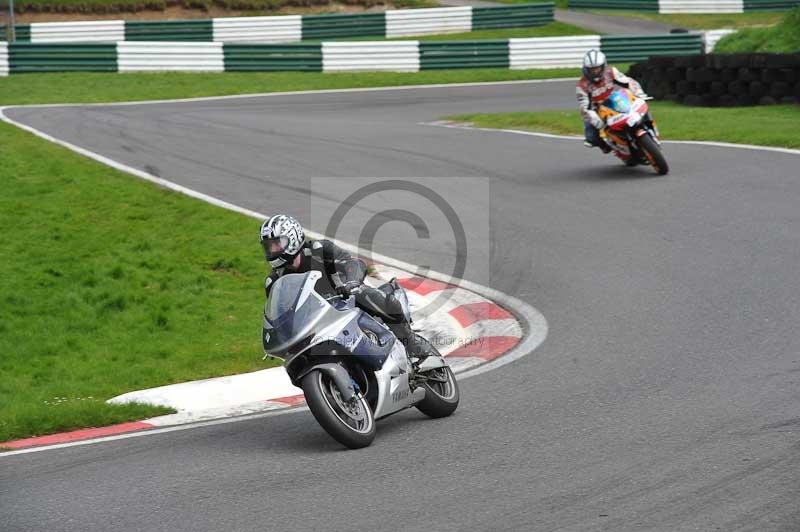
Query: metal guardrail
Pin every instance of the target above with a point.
(641, 47)
(404, 22)
(463, 54)
(633, 5)
(707, 6)
(687, 6)
(394, 56)
(170, 30)
(352, 56)
(770, 5)
(550, 52)
(170, 57)
(273, 57)
(291, 28)
(39, 57)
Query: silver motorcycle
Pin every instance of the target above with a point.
(353, 370)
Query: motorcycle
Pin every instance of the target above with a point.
(351, 367)
(631, 131)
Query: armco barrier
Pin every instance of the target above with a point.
(693, 6)
(170, 30)
(258, 29)
(687, 6)
(463, 54)
(333, 26)
(3, 59)
(39, 57)
(641, 47)
(23, 32)
(92, 31)
(350, 56)
(524, 15)
(770, 5)
(273, 57)
(395, 56)
(172, 57)
(632, 5)
(428, 21)
(550, 52)
(293, 27)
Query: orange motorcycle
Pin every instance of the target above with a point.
(630, 130)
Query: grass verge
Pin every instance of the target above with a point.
(768, 126)
(708, 21)
(113, 285)
(77, 87)
(781, 38)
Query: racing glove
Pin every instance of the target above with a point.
(595, 120)
(349, 288)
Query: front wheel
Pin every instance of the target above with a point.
(351, 423)
(653, 154)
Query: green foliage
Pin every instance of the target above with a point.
(133, 6)
(781, 38)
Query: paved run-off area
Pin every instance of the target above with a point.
(665, 397)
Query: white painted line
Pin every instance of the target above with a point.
(576, 137)
(153, 432)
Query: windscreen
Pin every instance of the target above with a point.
(286, 321)
(619, 101)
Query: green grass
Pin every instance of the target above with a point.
(111, 284)
(708, 21)
(768, 126)
(76, 87)
(782, 38)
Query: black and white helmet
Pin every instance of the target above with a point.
(282, 238)
(594, 64)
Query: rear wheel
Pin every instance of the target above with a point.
(441, 393)
(653, 154)
(351, 423)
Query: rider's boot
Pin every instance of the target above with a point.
(414, 347)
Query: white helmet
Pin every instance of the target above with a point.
(594, 64)
(282, 238)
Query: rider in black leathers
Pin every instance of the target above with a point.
(287, 251)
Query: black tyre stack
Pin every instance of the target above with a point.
(722, 79)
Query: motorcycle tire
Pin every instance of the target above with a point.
(350, 423)
(653, 154)
(441, 395)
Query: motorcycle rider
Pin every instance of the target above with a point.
(287, 251)
(595, 86)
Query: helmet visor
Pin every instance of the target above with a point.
(275, 247)
(596, 72)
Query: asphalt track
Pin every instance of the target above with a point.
(665, 397)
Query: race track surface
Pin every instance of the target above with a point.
(665, 396)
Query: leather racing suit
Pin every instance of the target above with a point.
(590, 95)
